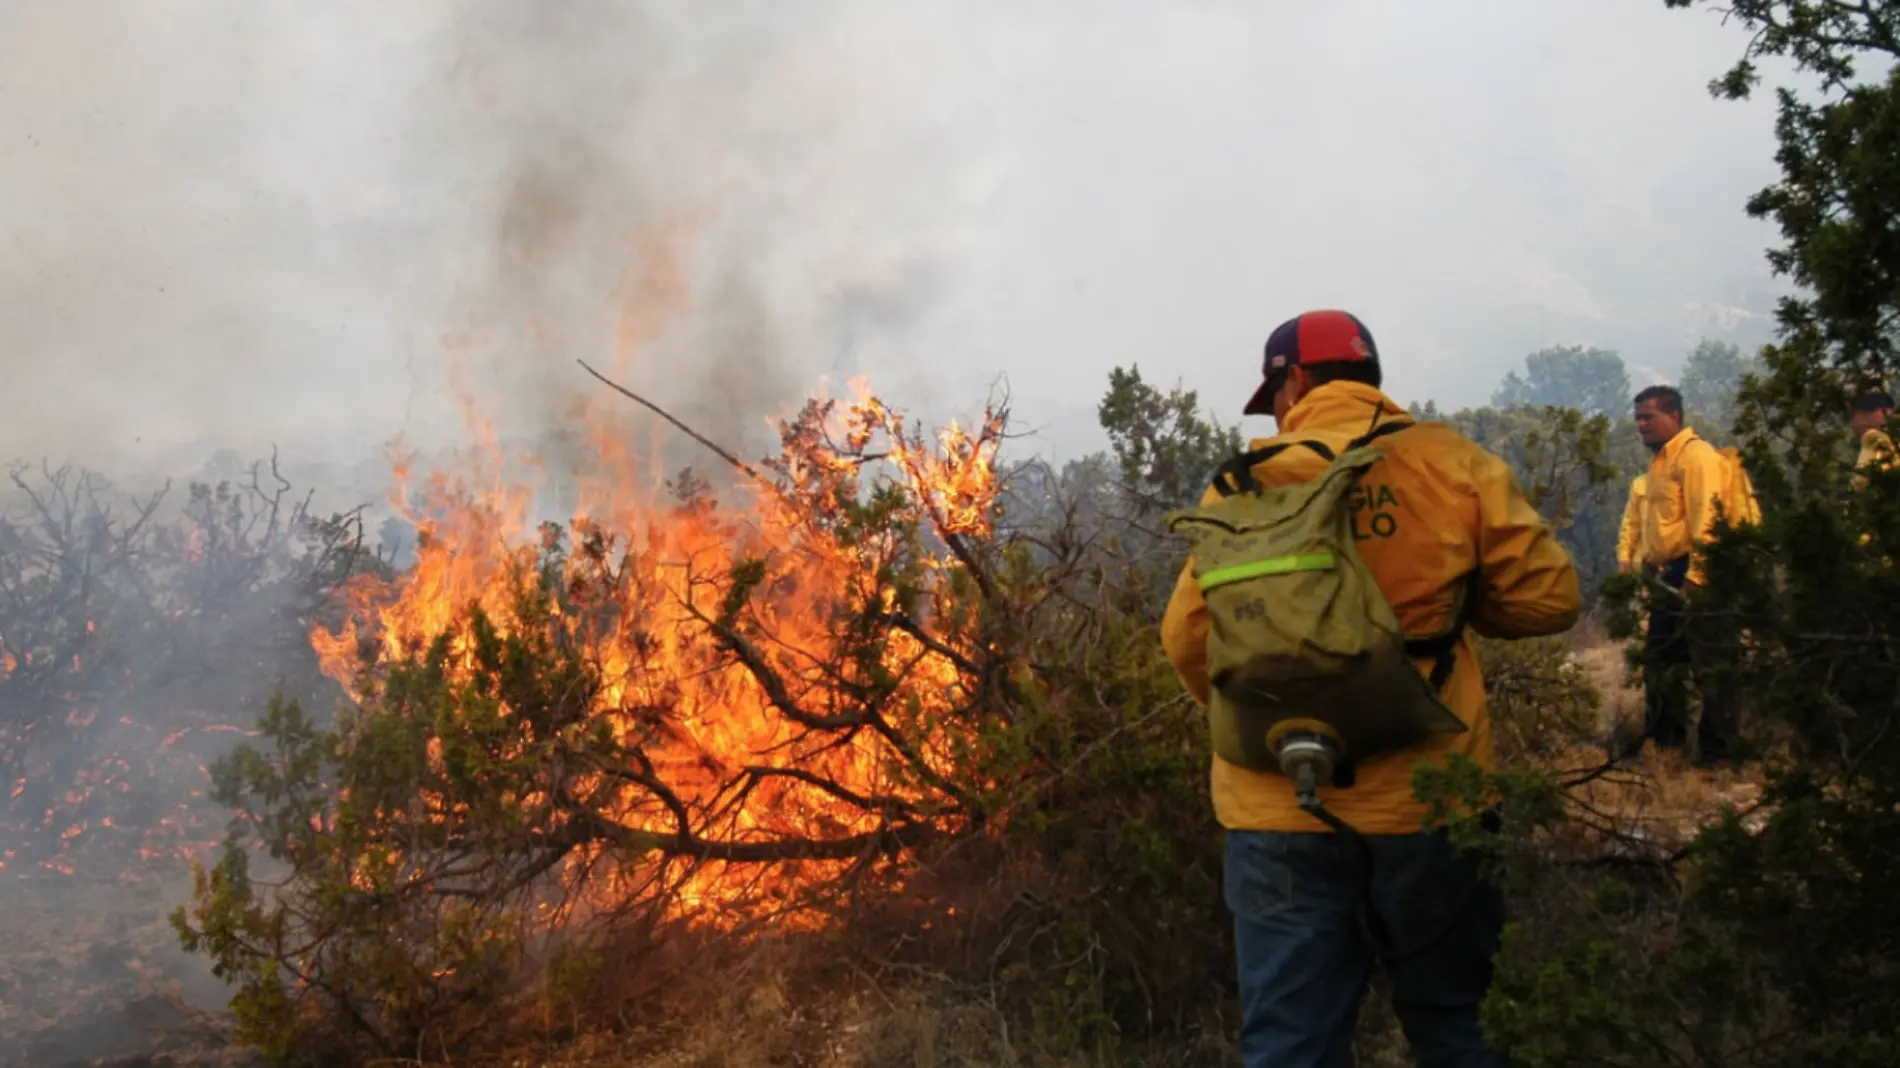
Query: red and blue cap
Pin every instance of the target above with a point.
(1315, 337)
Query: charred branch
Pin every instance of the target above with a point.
(850, 797)
(737, 464)
(773, 684)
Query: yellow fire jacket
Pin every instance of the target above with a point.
(1630, 535)
(1687, 478)
(1435, 508)
(1876, 450)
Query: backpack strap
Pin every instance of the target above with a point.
(1236, 475)
(1378, 432)
(1443, 647)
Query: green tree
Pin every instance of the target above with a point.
(1166, 449)
(1712, 382)
(1576, 467)
(1591, 380)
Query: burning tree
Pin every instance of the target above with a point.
(676, 713)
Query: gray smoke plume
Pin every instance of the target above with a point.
(233, 223)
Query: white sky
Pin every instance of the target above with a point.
(255, 221)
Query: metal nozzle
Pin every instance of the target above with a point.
(1308, 759)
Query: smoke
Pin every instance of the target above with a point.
(719, 209)
(318, 226)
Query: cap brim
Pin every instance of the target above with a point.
(1261, 403)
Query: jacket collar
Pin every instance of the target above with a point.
(1341, 405)
(1675, 445)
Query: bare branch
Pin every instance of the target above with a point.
(737, 464)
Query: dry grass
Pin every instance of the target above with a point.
(1658, 795)
(1658, 798)
(781, 1019)
(1606, 665)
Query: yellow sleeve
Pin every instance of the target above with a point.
(1631, 533)
(1530, 583)
(1184, 627)
(1876, 451)
(1704, 477)
(1876, 454)
(1184, 634)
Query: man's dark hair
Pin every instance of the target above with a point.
(1365, 372)
(1874, 400)
(1668, 399)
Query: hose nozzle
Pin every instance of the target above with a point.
(1308, 758)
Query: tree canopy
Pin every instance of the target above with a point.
(1591, 380)
(1712, 380)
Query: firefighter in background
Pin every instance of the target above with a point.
(1867, 417)
(1630, 536)
(1688, 480)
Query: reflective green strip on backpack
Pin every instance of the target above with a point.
(1277, 565)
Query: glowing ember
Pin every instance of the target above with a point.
(132, 804)
(118, 668)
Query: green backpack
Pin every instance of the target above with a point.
(1300, 636)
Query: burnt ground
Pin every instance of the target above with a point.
(91, 973)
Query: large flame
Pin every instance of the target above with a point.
(666, 580)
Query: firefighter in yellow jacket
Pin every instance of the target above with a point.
(1868, 417)
(1630, 535)
(1433, 511)
(1688, 481)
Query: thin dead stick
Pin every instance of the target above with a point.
(741, 465)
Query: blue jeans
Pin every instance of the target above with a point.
(1304, 959)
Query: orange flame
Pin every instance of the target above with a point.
(663, 658)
